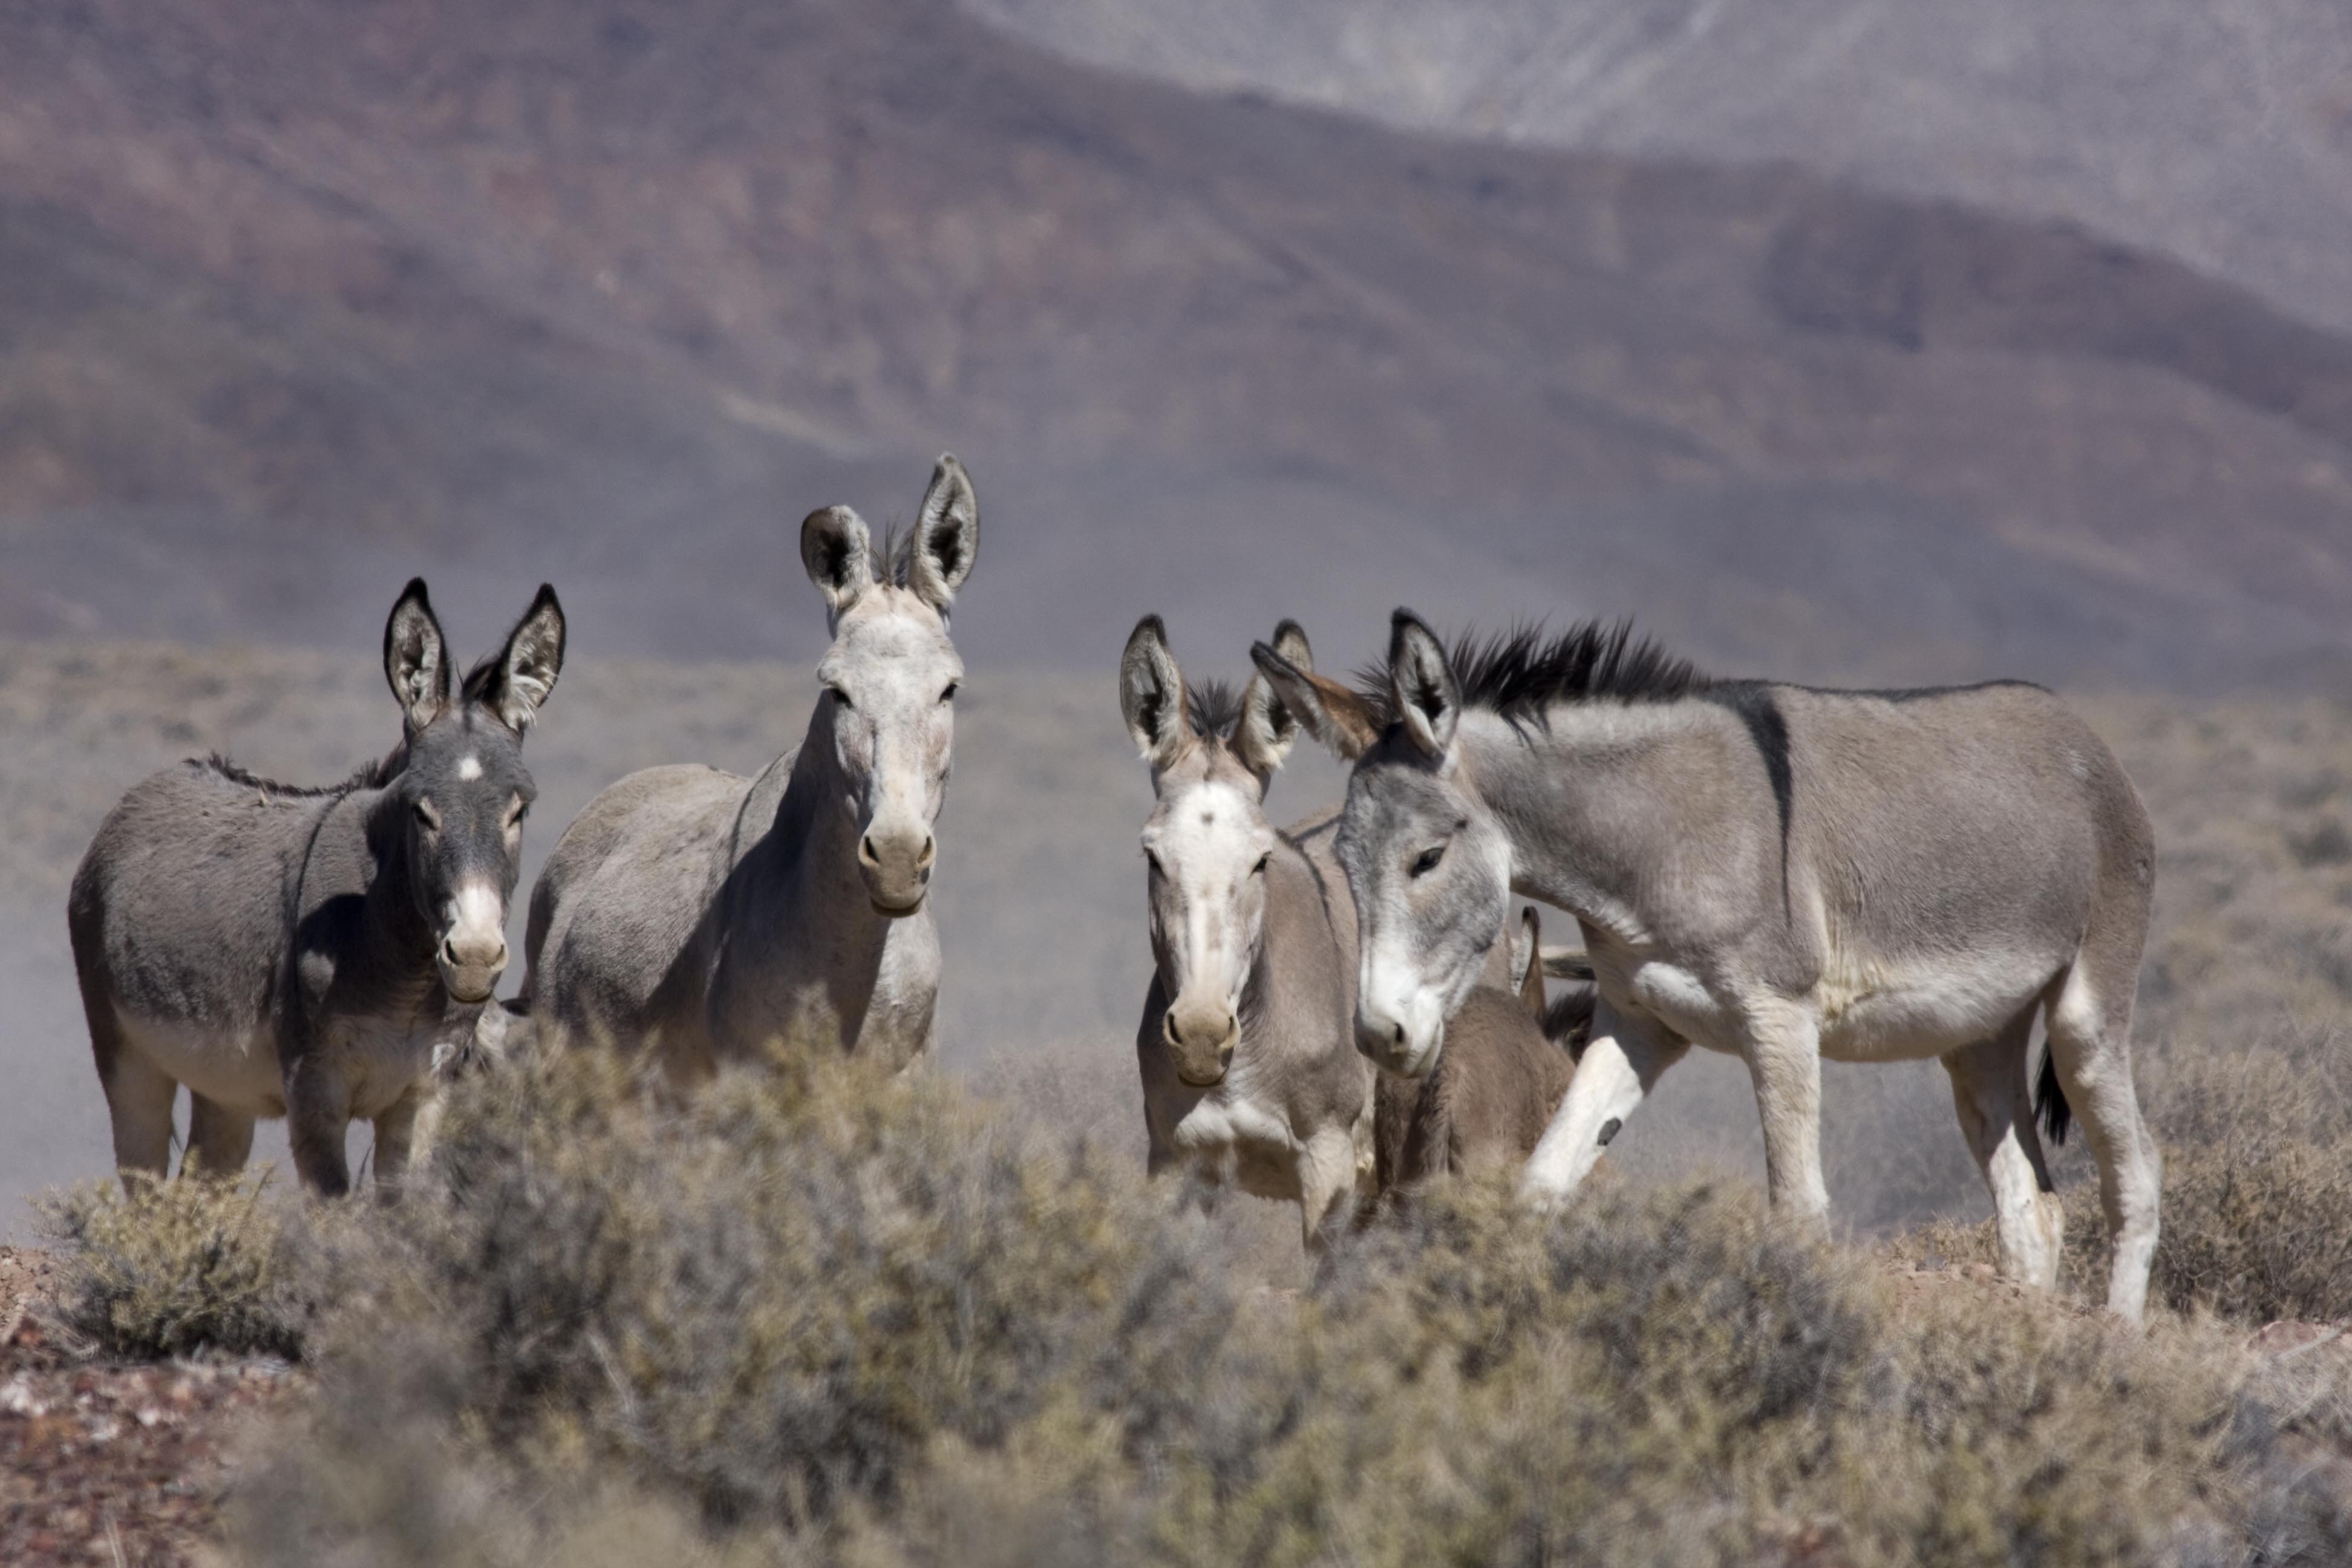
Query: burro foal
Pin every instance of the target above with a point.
(707, 918)
(298, 952)
(1776, 872)
(1509, 1060)
(1250, 1073)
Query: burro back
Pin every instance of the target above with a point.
(293, 951)
(705, 917)
(1766, 869)
(1249, 1076)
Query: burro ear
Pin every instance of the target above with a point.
(1527, 961)
(1332, 713)
(1151, 694)
(416, 657)
(523, 675)
(1421, 688)
(947, 535)
(1268, 727)
(839, 554)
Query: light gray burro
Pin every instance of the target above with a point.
(1768, 870)
(704, 918)
(1250, 1073)
(1485, 1101)
(296, 953)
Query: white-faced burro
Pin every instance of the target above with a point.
(1768, 870)
(294, 952)
(705, 917)
(1250, 1075)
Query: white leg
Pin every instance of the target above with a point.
(1784, 1060)
(1326, 1183)
(2092, 1048)
(1988, 1096)
(1620, 1066)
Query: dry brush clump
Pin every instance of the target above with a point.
(828, 1318)
(2257, 1218)
(152, 1269)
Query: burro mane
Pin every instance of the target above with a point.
(1517, 672)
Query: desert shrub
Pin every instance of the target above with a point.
(156, 1268)
(2257, 1184)
(772, 1300)
(841, 1319)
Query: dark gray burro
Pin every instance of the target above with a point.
(292, 951)
(1779, 873)
(1507, 1066)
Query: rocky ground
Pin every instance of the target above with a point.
(108, 1464)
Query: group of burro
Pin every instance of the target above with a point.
(1337, 1008)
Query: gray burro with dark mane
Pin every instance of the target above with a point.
(1776, 872)
(292, 951)
(703, 918)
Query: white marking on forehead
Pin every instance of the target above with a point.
(469, 767)
(1212, 829)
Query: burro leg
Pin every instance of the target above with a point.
(1990, 1096)
(1326, 1183)
(1620, 1065)
(1783, 1051)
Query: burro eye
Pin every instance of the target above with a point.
(1153, 861)
(842, 696)
(521, 809)
(426, 817)
(1263, 861)
(949, 695)
(1427, 861)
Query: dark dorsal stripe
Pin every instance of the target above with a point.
(1756, 706)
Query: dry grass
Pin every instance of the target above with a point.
(151, 1270)
(824, 1318)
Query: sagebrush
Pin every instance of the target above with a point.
(828, 1317)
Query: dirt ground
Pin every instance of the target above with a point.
(124, 1467)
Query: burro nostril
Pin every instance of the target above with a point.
(930, 852)
(865, 852)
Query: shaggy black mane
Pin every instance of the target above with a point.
(370, 775)
(1519, 672)
(1214, 708)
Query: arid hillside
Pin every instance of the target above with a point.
(2219, 134)
(301, 299)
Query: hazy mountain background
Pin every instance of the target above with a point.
(1859, 342)
(1918, 352)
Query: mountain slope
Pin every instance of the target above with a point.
(303, 298)
(2221, 134)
